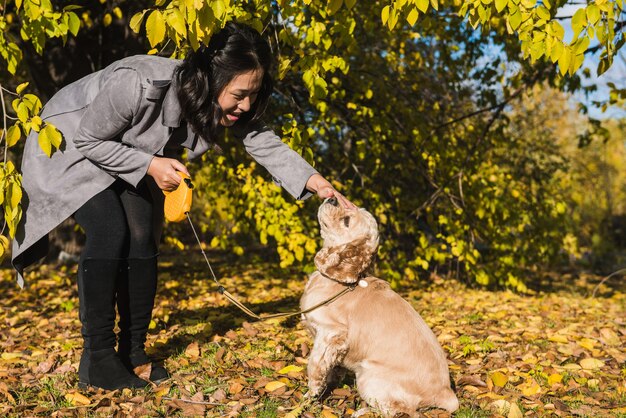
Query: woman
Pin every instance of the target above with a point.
(121, 126)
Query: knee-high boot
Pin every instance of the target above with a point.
(100, 365)
(136, 291)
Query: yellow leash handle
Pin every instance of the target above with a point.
(178, 202)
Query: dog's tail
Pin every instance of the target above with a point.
(448, 400)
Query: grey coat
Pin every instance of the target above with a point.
(113, 122)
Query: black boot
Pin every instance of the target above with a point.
(100, 365)
(136, 291)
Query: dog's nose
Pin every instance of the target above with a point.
(333, 201)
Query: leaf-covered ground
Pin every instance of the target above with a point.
(559, 352)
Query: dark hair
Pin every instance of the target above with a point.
(204, 73)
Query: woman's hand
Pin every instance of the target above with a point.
(164, 172)
(324, 190)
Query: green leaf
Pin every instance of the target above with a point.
(603, 65)
(155, 28)
(412, 17)
(350, 3)
(334, 6)
(501, 4)
(73, 23)
(14, 133)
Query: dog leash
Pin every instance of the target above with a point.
(178, 206)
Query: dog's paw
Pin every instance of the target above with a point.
(315, 390)
(361, 412)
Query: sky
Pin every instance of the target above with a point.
(616, 74)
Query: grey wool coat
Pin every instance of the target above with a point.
(113, 122)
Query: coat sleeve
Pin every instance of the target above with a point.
(110, 113)
(286, 166)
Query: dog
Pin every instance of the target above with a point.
(398, 363)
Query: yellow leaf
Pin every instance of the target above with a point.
(609, 337)
(327, 413)
(11, 356)
(384, 15)
(155, 28)
(412, 17)
(500, 406)
(515, 412)
(499, 379)
(135, 22)
(529, 388)
(290, 369)
(591, 363)
(272, 386)
(107, 19)
(21, 88)
(14, 133)
(76, 398)
(587, 343)
(554, 378)
(558, 338)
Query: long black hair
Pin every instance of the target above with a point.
(204, 73)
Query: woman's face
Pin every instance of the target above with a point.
(239, 95)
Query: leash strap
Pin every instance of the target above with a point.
(243, 307)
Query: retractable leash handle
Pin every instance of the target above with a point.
(178, 202)
(177, 206)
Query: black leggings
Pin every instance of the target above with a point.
(118, 222)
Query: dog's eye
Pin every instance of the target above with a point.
(346, 221)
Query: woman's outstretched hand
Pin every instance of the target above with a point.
(164, 171)
(324, 190)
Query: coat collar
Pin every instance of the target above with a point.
(171, 110)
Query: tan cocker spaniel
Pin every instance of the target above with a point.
(399, 365)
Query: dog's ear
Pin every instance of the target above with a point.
(344, 263)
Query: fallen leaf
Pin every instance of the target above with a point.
(609, 337)
(499, 379)
(558, 338)
(76, 398)
(235, 388)
(515, 412)
(554, 378)
(290, 369)
(471, 380)
(272, 386)
(193, 350)
(501, 406)
(591, 363)
(529, 388)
